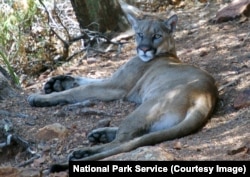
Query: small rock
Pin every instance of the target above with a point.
(242, 100)
(240, 148)
(198, 150)
(174, 2)
(235, 9)
(52, 131)
(177, 145)
(91, 60)
(237, 150)
(203, 53)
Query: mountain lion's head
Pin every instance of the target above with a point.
(153, 35)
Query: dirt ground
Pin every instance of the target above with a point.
(221, 49)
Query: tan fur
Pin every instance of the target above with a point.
(175, 99)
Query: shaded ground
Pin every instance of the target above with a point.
(221, 49)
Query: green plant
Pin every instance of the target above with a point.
(8, 65)
(14, 24)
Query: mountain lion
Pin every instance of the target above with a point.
(175, 99)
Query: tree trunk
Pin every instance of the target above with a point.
(100, 15)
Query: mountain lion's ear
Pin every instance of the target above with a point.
(171, 23)
(129, 9)
(133, 21)
(131, 13)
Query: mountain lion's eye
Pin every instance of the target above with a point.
(140, 35)
(156, 36)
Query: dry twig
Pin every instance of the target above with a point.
(90, 37)
(7, 130)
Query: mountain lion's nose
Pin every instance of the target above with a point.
(145, 48)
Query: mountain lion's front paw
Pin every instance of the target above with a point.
(32, 99)
(39, 100)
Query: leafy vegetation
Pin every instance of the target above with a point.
(22, 45)
(33, 36)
